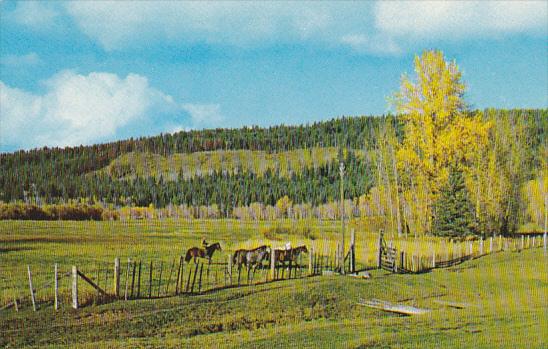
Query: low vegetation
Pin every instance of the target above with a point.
(502, 293)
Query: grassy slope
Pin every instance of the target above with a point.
(507, 291)
(199, 163)
(94, 245)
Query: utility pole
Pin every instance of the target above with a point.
(341, 171)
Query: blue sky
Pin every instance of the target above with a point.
(76, 73)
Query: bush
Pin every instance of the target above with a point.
(19, 211)
(110, 215)
(274, 233)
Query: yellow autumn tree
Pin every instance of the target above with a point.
(438, 131)
(284, 204)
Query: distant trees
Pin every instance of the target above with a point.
(396, 167)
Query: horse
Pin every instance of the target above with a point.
(196, 252)
(239, 257)
(255, 257)
(295, 252)
(289, 255)
(243, 256)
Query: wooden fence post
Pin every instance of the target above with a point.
(491, 245)
(139, 281)
(32, 297)
(229, 269)
(187, 288)
(481, 247)
(380, 249)
(160, 281)
(206, 283)
(116, 277)
(179, 276)
(310, 260)
(272, 266)
(133, 278)
(194, 278)
(106, 277)
(500, 242)
(169, 278)
(527, 245)
(98, 281)
(433, 258)
(150, 281)
(338, 256)
(200, 280)
(127, 278)
(402, 260)
(352, 251)
(74, 287)
(522, 242)
(56, 286)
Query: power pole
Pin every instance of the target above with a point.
(341, 171)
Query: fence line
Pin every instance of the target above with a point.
(194, 280)
(402, 262)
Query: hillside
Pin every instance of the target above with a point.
(188, 165)
(227, 169)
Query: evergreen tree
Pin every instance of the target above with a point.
(453, 210)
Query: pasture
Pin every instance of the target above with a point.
(506, 292)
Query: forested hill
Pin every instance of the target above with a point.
(59, 174)
(230, 167)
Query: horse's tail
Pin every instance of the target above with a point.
(188, 256)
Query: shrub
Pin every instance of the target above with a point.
(274, 233)
(19, 211)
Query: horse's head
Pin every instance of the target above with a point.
(303, 249)
(217, 246)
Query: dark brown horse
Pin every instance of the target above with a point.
(291, 254)
(196, 252)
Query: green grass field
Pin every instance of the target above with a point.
(506, 292)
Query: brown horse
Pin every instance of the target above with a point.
(291, 254)
(196, 252)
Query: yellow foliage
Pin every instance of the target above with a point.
(284, 204)
(438, 133)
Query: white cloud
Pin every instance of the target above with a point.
(117, 24)
(371, 43)
(204, 115)
(459, 19)
(21, 60)
(76, 109)
(383, 27)
(35, 14)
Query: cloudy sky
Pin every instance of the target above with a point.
(85, 72)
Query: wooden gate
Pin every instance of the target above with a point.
(387, 255)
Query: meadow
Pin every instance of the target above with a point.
(504, 293)
(93, 245)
